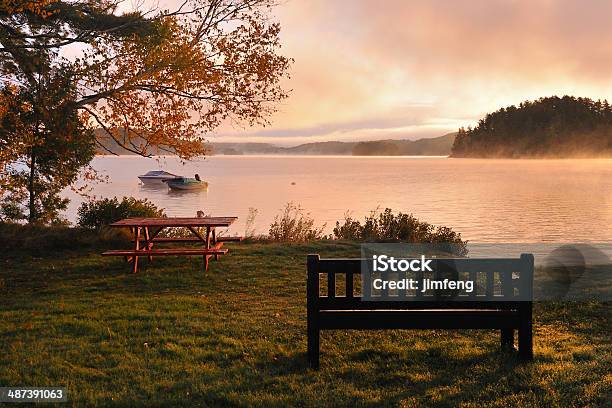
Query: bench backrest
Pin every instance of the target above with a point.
(505, 282)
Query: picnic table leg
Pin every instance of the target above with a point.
(148, 243)
(207, 257)
(205, 240)
(208, 230)
(214, 241)
(129, 258)
(136, 247)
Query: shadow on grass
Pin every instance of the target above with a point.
(399, 376)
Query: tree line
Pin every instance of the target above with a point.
(547, 127)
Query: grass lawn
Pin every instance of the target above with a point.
(172, 335)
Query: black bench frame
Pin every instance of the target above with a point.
(502, 311)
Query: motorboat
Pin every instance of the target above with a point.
(187, 184)
(156, 177)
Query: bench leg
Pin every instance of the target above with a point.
(525, 334)
(507, 338)
(313, 347)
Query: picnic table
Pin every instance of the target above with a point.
(145, 232)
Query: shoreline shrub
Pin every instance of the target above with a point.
(99, 213)
(389, 227)
(294, 225)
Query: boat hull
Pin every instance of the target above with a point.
(187, 187)
(154, 181)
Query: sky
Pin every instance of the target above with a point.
(373, 69)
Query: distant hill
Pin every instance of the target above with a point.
(547, 127)
(318, 148)
(242, 148)
(438, 146)
(329, 148)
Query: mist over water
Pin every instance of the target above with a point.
(486, 200)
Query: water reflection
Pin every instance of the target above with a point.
(154, 187)
(173, 192)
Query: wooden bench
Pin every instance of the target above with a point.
(490, 310)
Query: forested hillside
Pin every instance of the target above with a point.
(547, 127)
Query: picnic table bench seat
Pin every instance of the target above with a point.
(191, 239)
(165, 252)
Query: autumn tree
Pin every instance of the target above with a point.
(48, 149)
(156, 81)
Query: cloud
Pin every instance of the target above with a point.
(375, 67)
(412, 122)
(509, 40)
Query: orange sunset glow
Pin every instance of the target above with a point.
(411, 69)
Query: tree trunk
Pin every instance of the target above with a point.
(32, 216)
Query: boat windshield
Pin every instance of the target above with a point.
(159, 173)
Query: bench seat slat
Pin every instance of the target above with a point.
(166, 252)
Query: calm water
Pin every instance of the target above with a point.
(485, 200)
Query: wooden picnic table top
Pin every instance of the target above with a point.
(176, 222)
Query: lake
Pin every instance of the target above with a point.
(485, 200)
